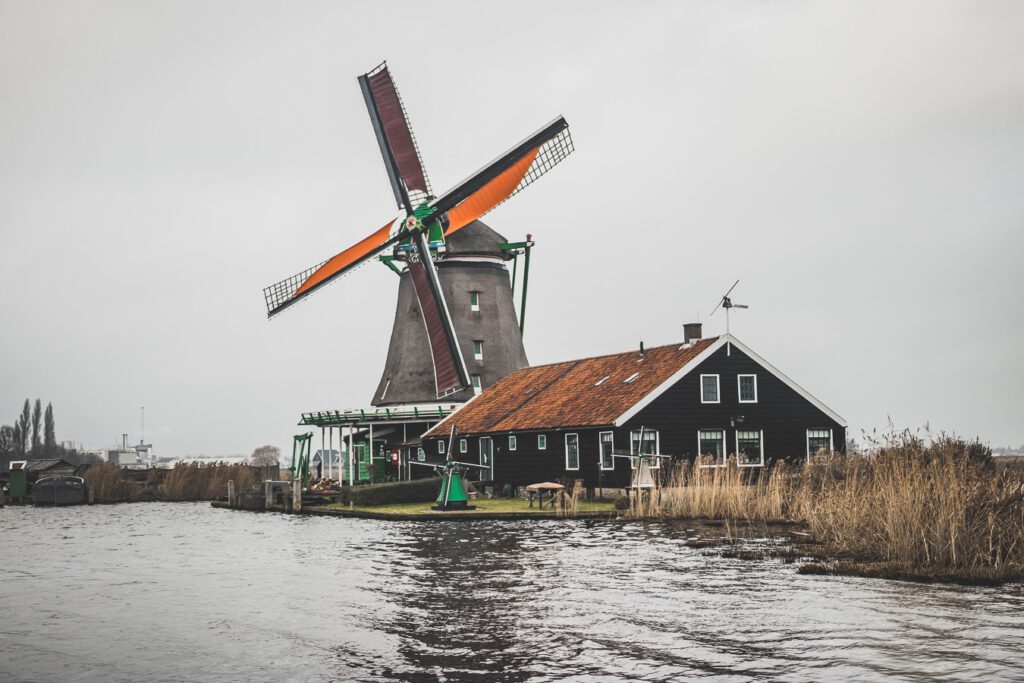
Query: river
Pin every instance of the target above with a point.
(185, 592)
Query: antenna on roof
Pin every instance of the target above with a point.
(727, 303)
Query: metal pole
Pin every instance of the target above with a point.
(526, 279)
(351, 458)
(515, 267)
(330, 450)
(371, 448)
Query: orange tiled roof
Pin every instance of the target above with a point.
(568, 394)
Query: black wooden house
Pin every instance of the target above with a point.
(710, 397)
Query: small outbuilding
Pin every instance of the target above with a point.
(713, 401)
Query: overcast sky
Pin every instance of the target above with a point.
(859, 166)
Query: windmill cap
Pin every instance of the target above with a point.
(476, 239)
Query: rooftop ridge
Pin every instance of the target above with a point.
(610, 355)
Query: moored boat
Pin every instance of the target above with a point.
(59, 491)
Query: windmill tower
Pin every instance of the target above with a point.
(475, 280)
(455, 325)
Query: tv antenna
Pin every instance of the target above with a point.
(727, 304)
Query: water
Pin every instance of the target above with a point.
(184, 592)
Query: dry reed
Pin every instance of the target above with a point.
(198, 481)
(908, 508)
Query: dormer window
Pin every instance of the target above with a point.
(474, 301)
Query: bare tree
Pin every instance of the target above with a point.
(37, 427)
(24, 422)
(49, 431)
(265, 455)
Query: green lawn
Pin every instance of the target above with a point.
(518, 505)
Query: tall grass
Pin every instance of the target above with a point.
(187, 481)
(915, 506)
(911, 507)
(104, 480)
(199, 481)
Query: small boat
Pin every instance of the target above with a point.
(59, 491)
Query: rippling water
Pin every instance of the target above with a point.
(184, 592)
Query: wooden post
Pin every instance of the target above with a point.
(231, 493)
(268, 495)
(92, 496)
(297, 496)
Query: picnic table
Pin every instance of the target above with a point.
(537, 491)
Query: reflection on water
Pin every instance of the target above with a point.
(157, 592)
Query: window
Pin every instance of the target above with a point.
(440, 446)
(601, 381)
(478, 350)
(649, 447)
(607, 444)
(631, 378)
(818, 440)
(572, 452)
(476, 383)
(474, 301)
(747, 388)
(749, 448)
(711, 447)
(511, 442)
(542, 442)
(463, 445)
(421, 455)
(709, 389)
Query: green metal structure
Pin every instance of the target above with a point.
(299, 469)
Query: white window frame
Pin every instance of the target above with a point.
(542, 442)
(440, 446)
(512, 442)
(577, 438)
(718, 389)
(725, 452)
(807, 447)
(739, 392)
(463, 445)
(421, 455)
(474, 301)
(478, 349)
(657, 447)
(477, 384)
(600, 455)
(760, 440)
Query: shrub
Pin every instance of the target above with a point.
(416, 491)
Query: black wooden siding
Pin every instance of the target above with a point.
(781, 413)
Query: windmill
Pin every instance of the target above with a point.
(420, 237)
(452, 495)
(726, 303)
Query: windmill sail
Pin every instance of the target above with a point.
(287, 292)
(450, 373)
(504, 177)
(394, 135)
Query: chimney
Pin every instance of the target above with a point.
(691, 332)
(641, 350)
